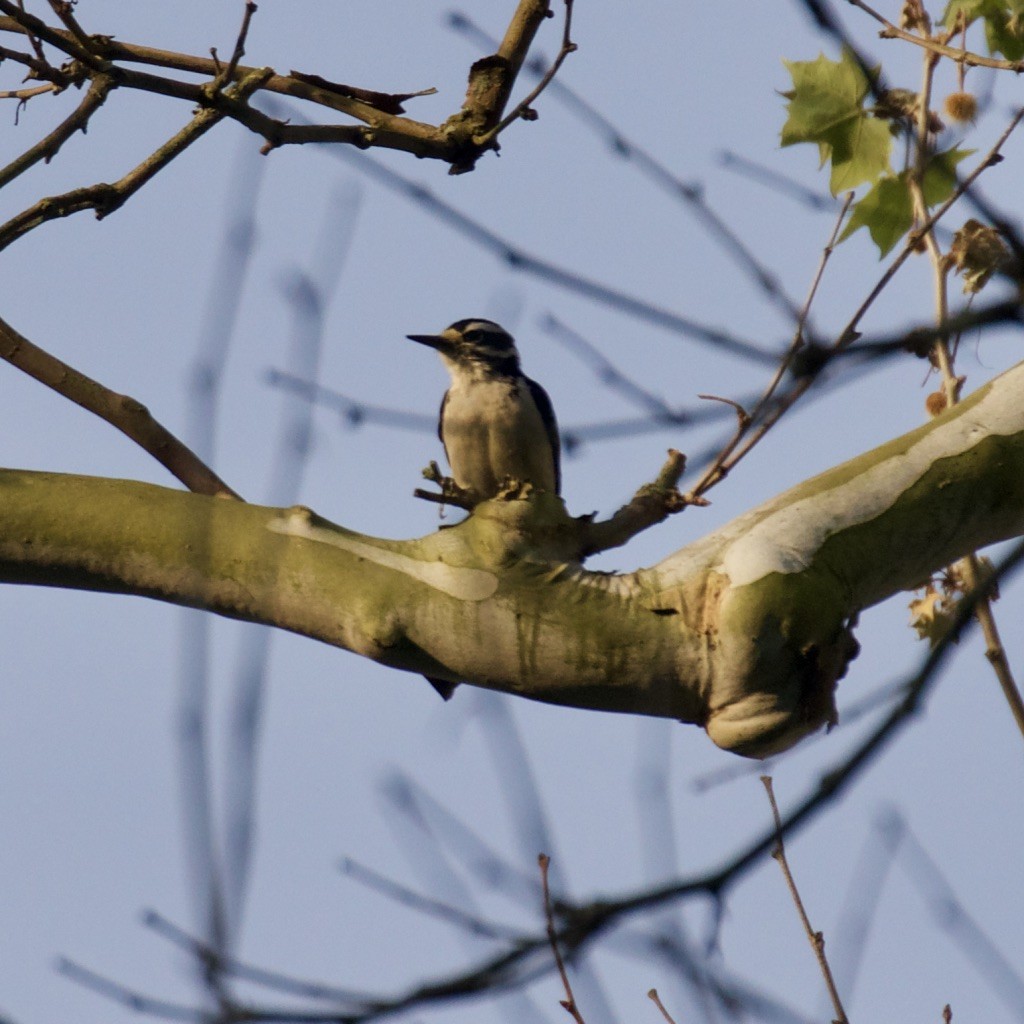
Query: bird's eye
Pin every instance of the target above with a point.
(474, 335)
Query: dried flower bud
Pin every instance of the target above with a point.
(961, 107)
(935, 403)
(977, 253)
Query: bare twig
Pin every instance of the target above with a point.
(776, 182)
(816, 939)
(427, 905)
(127, 997)
(46, 149)
(129, 416)
(450, 494)
(23, 95)
(39, 32)
(998, 966)
(609, 374)
(309, 297)
(452, 141)
(569, 1002)
(656, 999)
(65, 11)
(105, 198)
(40, 68)
(239, 51)
(768, 412)
(523, 109)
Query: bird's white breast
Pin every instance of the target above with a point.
(492, 430)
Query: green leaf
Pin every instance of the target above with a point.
(887, 210)
(971, 8)
(1004, 23)
(940, 176)
(860, 154)
(826, 107)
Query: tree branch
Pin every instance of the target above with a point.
(47, 148)
(126, 414)
(105, 198)
(455, 141)
(652, 504)
(960, 56)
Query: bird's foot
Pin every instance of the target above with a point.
(451, 493)
(513, 489)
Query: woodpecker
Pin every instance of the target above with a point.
(496, 424)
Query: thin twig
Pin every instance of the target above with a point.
(105, 198)
(126, 414)
(521, 109)
(775, 182)
(65, 11)
(569, 1002)
(285, 983)
(816, 939)
(960, 56)
(430, 907)
(609, 374)
(127, 997)
(60, 78)
(656, 999)
(22, 95)
(239, 51)
(46, 148)
(765, 414)
(999, 966)
(39, 32)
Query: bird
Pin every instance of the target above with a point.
(497, 425)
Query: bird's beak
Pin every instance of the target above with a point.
(440, 342)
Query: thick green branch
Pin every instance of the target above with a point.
(744, 632)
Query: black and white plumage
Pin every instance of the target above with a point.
(496, 424)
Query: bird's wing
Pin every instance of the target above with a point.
(440, 422)
(547, 415)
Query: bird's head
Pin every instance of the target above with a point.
(474, 344)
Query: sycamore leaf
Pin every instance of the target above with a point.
(826, 108)
(940, 176)
(971, 9)
(887, 210)
(1004, 23)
